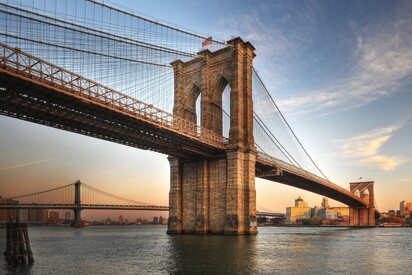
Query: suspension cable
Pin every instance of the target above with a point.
(284, 119)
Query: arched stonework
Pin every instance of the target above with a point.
(232, 63)
(363, 216)
(216, 194)
(189, 110)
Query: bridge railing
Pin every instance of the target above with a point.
(269, 160)
(17, 62)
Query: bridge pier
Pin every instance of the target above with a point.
(213, 195)
(77, 222)
(77, 216)
(363, 216)
(216, 194)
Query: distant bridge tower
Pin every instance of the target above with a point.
(77, 202)
(363, 216)
(216, 194)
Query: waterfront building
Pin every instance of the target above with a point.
(315, 211)
(54, 215)
(405, 206)
(299, 202)
(402, 205)
(325, 203)
(67, 216)
(38, 215)
(334, 213)
(298, 212)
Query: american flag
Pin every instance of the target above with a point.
(207, 41)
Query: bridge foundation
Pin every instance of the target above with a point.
(363, 216)
(77, 222)
(216, 194)
(213, 195)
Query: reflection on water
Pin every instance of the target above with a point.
(216, 254)
(147, 249)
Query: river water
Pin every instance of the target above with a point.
(275, 250)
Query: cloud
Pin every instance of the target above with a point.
(386, 163)
(383, 66)
(277, 30)
(365, 149)
(24, 164)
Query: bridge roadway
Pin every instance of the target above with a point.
(37, 91)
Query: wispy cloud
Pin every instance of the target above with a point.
(277, 40)
(24, 164)
(383, 66)
(365, 149)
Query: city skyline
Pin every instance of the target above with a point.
(333, 95)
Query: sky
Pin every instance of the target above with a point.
(340, 71)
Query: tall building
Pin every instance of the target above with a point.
(325, 203)
(38, 215)
(315, 211)
(402, 205)
(299, 202)
(299, 211)
(405, 208)
(405, 205)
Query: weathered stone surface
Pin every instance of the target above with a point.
(217, 194)
(363, 216)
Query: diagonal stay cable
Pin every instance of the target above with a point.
(107, 35)
(284, 119)
(270, 135)
(84, 51)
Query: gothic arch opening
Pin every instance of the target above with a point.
(198, 108)
(193, 107)
(226, 111)
(220, 107)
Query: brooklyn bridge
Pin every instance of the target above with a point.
(95, 70)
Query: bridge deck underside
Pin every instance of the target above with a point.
(23, 99)
(310, 185)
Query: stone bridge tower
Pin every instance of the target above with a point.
(216, 194)
(363, 216)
